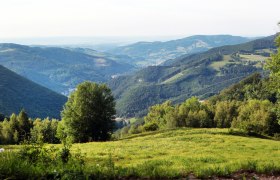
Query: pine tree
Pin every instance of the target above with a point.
(24, 125)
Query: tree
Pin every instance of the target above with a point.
(257, 116)
(186, 112)
(89, 113)
(24, 125)
(44, 131)
(273, 64)
(225, 113)
(204, 119)
(2, 117)
(7, 133)
(158, 114)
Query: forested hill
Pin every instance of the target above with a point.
(17, 92)
(151, 53)
(203, 75)
(59, 69)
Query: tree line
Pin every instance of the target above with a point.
(19, 128)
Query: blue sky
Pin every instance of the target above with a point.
(53, 18)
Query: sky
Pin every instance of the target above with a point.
(136, 18)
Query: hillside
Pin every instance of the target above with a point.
(59, 69)
(202, 74)
(177, 153)
(18, 92)
(152, 53)
(172, 153)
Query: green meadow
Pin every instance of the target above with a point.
(179, 153)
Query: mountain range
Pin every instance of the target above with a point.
(59, 69)
(202, 71)
(154, 53)
(200, 74)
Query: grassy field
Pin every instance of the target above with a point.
(180, 152)
(218, 64)
(252, 57)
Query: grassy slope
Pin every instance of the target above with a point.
(179, 152)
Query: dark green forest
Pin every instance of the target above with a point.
(18, 93)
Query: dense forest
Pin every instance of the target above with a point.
(19, 93)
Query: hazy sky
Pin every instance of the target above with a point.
(45, 18)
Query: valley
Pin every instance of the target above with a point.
(59, 69)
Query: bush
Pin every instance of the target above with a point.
(34, 161)
(256, 116)
(153, 126)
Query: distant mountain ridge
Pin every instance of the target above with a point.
(201, 74)
(154, 53)
(18, 92)
(59, 69)
(117, 58)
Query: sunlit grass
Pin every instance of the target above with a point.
(187, 150)
(179, 152)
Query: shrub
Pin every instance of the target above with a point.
(153, 126)
(257, 116)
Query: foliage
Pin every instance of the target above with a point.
(252, 116)
(151, 126)
(158, 116)
(36, 161)
(257, 116)
(19, 128)
(252, 87)
(225, 113)
(191, 113)
(44, 131)
(273, 64)
(89, 113)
